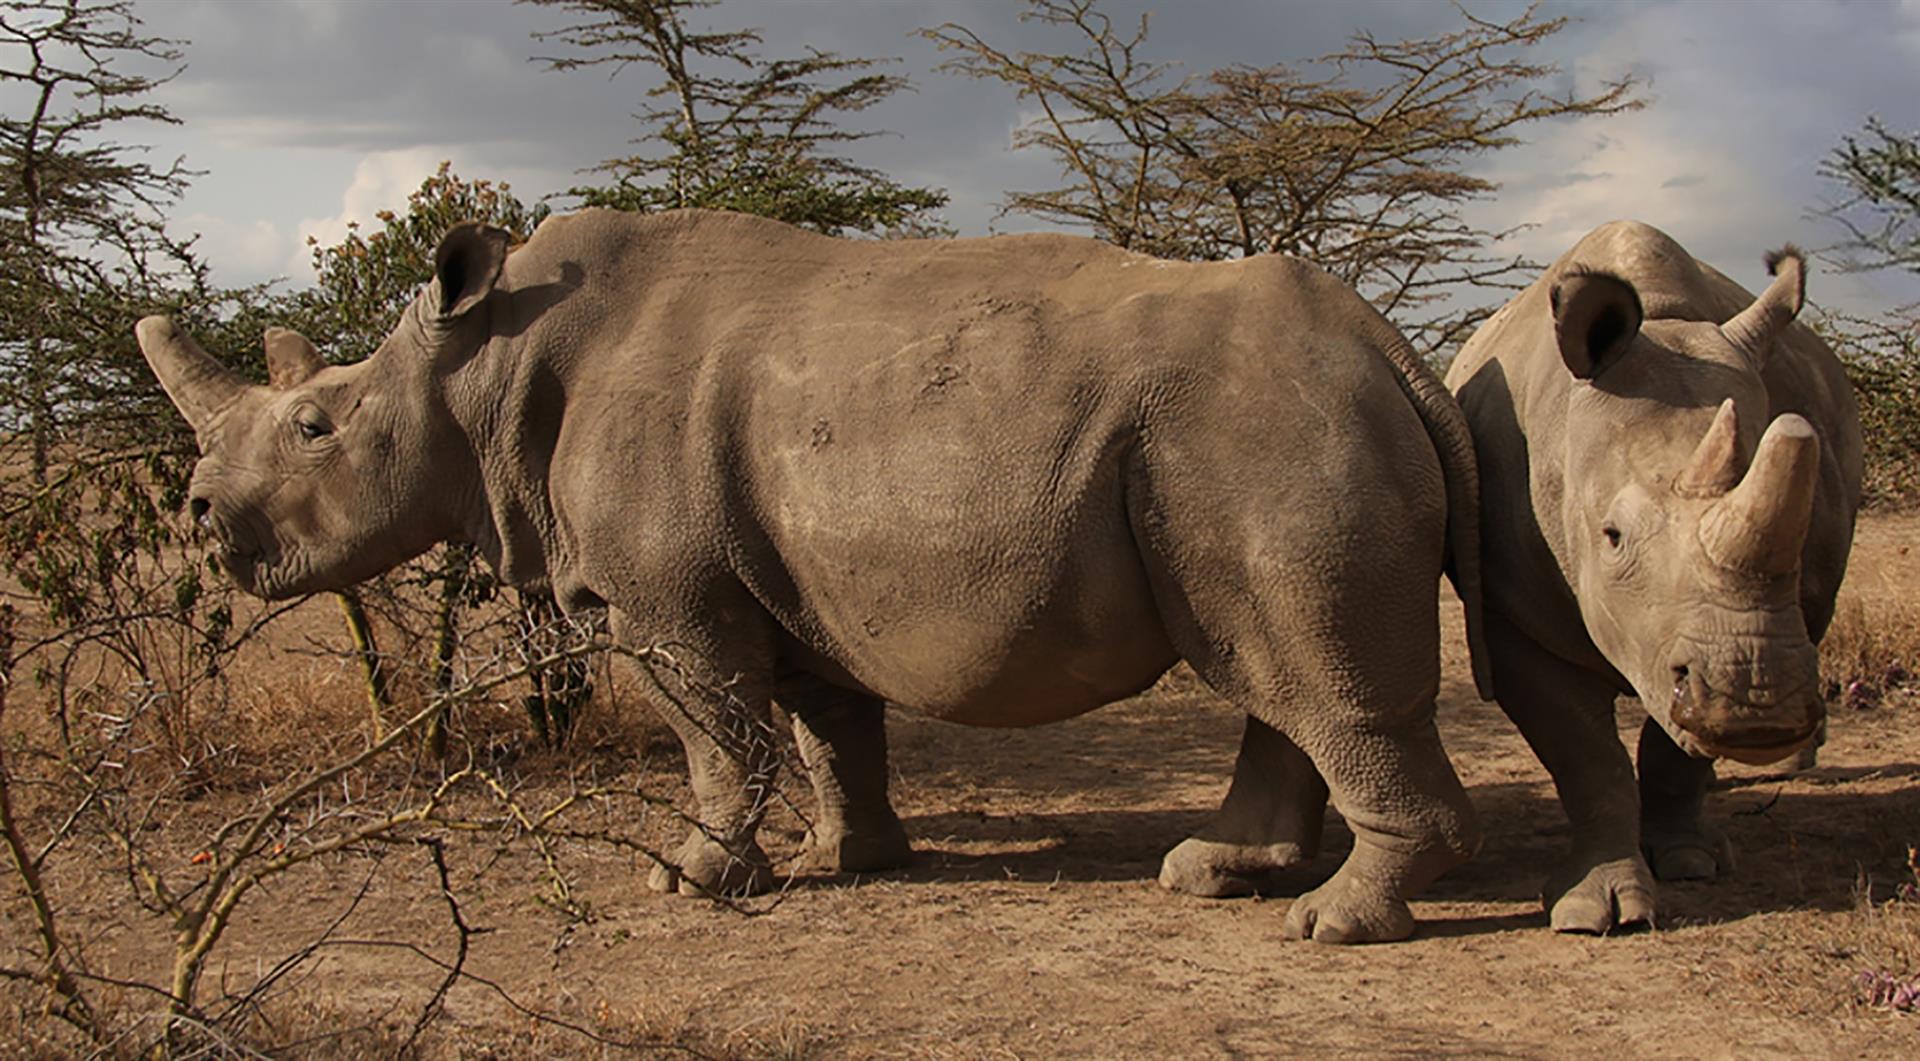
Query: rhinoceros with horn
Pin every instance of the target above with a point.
(1670, 469)
(1002, 481)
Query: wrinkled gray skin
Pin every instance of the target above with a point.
(1670, 469)
(999, 481)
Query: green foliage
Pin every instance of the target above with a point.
(734, 131)
(1878, 172)
(80, 218)
(1883, 362)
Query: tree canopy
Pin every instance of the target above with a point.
(1359, 161)
(727, 129)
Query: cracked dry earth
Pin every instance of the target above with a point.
(1032, 926)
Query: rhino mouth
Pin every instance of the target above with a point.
(238, 553)
(1756, 730)
(1750, 754)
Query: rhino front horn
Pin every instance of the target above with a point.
(1760, 526)
(1753, 331)
(198, 385)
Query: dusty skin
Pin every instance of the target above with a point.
(999, 481)
(1030, 924)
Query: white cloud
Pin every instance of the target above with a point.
(256, 248)
(382, 181)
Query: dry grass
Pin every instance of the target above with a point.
(1886, 944)
(1871, 654)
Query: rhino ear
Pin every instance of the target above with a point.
(465, 267)
(1595, 318)
(291, 359)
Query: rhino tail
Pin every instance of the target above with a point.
(1453, 442)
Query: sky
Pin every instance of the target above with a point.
(303, 115)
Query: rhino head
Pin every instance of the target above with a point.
(330, 474)
(1684, 530)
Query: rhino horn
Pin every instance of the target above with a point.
(1761, 525)
(198, 385)
(1717, 462)
(291, 359)
(1595, 318)
(1752, 332)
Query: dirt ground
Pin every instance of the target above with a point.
(1032, 926)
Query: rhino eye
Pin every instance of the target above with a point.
(312, 429)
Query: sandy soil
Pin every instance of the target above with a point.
(1032, 925)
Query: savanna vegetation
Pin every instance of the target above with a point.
(176, 758)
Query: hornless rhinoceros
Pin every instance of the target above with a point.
(1670, 469)
(1002, 481)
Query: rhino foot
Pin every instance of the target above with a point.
(861, 851)
(1602, 897)
(1686, 851)
(704, 867)
(1216, 870)
(1344, 911)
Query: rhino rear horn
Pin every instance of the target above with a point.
(291, 359)
(1595, 318)
(1761, 525)
(1753, 331)
(1717, 462)
(198, 385)
(466, 265)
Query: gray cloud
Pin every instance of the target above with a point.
(285, 103)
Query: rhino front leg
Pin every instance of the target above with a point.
(843, 742)
(1566, 714)
(718, 702)
(1270, 821)
(1679, 843)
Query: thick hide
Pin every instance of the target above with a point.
(1000, 481)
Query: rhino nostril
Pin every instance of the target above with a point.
(198, 508)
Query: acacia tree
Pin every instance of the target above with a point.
(1878, 173)
(1358, 160)
(92, 471)
(727, 129)
(80, 215)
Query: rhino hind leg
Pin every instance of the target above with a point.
(1270, 821)
(1679, 843)
(1566, 715)
(1319, 620)
(1389, 776)
(842, 736)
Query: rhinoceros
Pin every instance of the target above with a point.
(1670, 469)
(1002, 481)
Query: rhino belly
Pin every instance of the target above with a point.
(960, 672)
(1018, 634)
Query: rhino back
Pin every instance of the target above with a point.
(916, 455)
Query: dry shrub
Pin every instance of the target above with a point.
(1871, 653)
